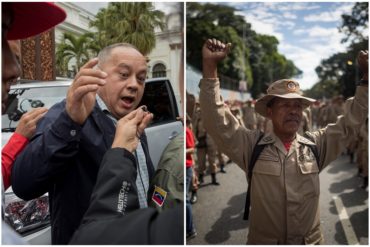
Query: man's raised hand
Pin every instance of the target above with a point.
(81, 94)
(363, 63)
(213, 51)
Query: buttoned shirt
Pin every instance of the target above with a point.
(142, 179)
(285, 185)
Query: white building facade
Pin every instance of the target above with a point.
(77, 21)
(164, 60)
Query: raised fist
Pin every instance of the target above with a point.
(214, 50)
(363, 63)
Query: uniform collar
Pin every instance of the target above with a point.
(304, 140)
(267, 138)
(271, 138)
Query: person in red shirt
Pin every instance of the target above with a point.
(18, 141)
(20, 21)
(190, 147)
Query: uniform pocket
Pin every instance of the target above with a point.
(309, 179)
(265, 157)
(309, 167)
(268, 166)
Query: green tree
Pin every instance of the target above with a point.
(324, 90)
(262, 63)
(339, 73)
(132, 23)
(354, 25)
(208, 21)
(78, 49)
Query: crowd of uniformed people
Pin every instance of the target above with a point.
(297, 137)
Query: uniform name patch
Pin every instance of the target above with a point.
(159, 196)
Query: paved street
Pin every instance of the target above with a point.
(219, 210)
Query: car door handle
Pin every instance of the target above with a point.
(173, 135)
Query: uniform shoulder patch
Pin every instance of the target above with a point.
(159, 196)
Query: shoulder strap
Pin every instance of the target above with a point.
(257, 150)
(314, 150)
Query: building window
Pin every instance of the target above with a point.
(159, 70)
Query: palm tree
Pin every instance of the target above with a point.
(132, 23)
(79, 48)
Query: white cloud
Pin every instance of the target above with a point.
(307, 45)
(299, 31)
(308, 53)
(306, 60)
(331, 15)
(323, 17)
(286, 24)
(262, 21)
(288, 15)
(318, 31)
(297, 6)
(263, 27)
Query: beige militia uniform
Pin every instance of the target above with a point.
(363, 150)
(285, 186)
(204, 153)
(333, 111)
(249, 117)
(305, 124)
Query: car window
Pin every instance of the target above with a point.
(157, 98)
(23, 100)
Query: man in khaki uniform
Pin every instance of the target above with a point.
(206, 148)
(363, 154)
(285, 184)
(167, 186)
(334, 109)
(249, 115)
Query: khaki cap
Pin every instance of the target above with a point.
(285, 88)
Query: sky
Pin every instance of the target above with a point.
(307, 31)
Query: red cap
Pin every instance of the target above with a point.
(32, 18)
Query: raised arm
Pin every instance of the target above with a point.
(334, 138)
(57, 140)
(232, 139)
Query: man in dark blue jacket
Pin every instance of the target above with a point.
(64, 156)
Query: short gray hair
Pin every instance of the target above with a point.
(105, 52)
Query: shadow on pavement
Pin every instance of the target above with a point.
(349, 183)
(344, 165)
(355, 198)
(359, 220)
(360, 223)
(351, 199)
(231, 219)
